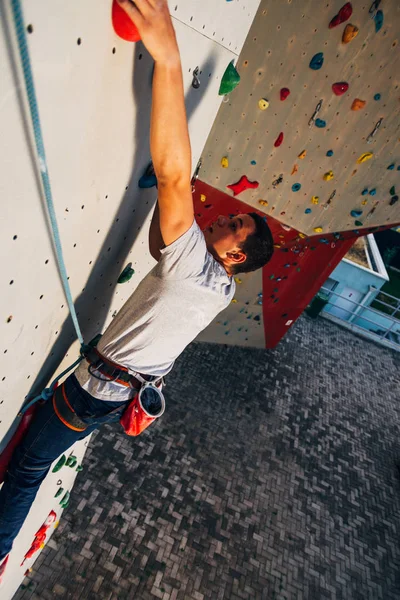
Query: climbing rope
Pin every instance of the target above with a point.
(33, 106)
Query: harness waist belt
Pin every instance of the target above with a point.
(65, 412)
(111, 370)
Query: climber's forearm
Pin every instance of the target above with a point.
(169, 135)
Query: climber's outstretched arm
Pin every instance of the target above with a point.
(169, 135)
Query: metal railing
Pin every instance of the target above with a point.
(389, 335)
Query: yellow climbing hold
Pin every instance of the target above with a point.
(238, 280)
(263, 202)
(364, 157)
(315, 199)
(302, 235)
(349, 33)
(364, 202)
(277, 245)
(302, 154)
(328, 176)
(318, 229)
(234, 301)
(295, 169)
(224, 162)
(263, 104)
(203, 198)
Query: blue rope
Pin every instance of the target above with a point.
(33, 105)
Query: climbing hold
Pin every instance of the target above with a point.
(320, 123)
(123, 24)
(358, 104)
(393, 200)
(329, 153)
(358, 223)
(230, 80)
(318, 229)
(79, 468)
(328, 176)
(344, 13)
(317, 61)
(315, 199)
(364, 157)
(356, 213)
(126, 274)
(278, 140)
(390, 167)
(207, 205)
(349, 33)
(392, 190)
(59, 464)
(238, 280)
(242, 185)
(253, 162)
(307, 211)
(148, 179)
(378, 21)
(302, 154)
(263, 202)
(58, 492)
(284, 93)
(263, 104)
(224, 162)
(364, 202)
(203, 198)
(71, 461)
(295, 169)
(257, 318)
(372, 192)
(364, 192)
(65, 500)
(287, 265)
(377, 97)
(340, 88)
(296, 187)
(272, 276)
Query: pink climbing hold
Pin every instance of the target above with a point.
(284, 93)
(344, 13)
(242, 185)
(279, 140)
(340, 88)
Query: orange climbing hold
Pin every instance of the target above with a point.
(302, 154)
(123, 25)
(295, 169)
(358, 104)
(349, 33)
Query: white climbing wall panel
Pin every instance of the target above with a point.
(94, 96)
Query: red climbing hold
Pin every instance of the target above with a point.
(279, 140)
(242, 185)
(340, 88)
(344, 13)
(123, 25)
(284, 93)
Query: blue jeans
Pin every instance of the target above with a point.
(46, 439)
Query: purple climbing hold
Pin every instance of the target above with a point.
(317, 61)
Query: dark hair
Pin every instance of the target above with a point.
(258, 247)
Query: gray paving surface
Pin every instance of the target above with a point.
(272, 476)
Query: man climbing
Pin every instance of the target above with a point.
(190, 284)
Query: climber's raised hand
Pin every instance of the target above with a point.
(154, 24)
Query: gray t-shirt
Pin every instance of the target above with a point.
(180, 296)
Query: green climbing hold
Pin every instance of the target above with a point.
(126, 274)
(392, 190)
(230, 80)
(357, 223)
(79, 468)
(65, 500)
(60, 463)
(59, 492)
(71, 461)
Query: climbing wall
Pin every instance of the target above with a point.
(94, 96)
(314, 120)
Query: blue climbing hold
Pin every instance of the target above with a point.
(149, 178)
(356, 213)
(257, 318)
(320, 123)
(317, 61)
(378, 20)
(372, 192)
(329, 153)
(364, 192)
(377, 97)
(391, 167)
(323, 241)
(296, 187)
(253, 162)
(307, 211)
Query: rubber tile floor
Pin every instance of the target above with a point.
(272, 475)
